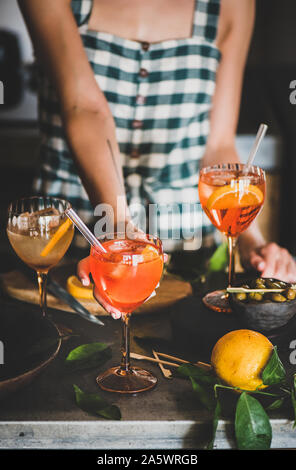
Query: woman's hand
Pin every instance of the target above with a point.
(269, 259)
(83, 271)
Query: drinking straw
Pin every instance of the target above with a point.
(84, 230)
(260, 134)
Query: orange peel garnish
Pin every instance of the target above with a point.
(235, 195)
(56, 237)
(149, 253)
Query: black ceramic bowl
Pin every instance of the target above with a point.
(266, 315)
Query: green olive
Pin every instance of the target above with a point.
(283, 284)
(290, 294)
(273, 284)
(241, 296)
(278, 298)
(255, 296)
(260, 284)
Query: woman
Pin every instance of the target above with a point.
(148, 88)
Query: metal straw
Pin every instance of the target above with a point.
(260, 134)
(84, 230)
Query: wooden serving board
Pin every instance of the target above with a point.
(16, 285)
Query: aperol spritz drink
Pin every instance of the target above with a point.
(232, 196)
(125, 277)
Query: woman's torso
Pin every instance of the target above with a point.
(160, 95)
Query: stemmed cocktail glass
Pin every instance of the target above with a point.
(231, 195)
(125, 277)
(40, 233)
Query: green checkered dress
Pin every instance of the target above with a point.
(160, 96)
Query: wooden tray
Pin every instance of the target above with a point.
(16, 285)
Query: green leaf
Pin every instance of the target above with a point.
(293, 399)
(87, 356)
(252, 426)
(94, 404)
(219, 259)
(274, 371)
(205, 394)
(197, 373)
(275, 405)
(216, 417)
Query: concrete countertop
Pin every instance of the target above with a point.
(44, 414)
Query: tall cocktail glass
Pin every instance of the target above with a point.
(40, 233)
(232, 196)
(125, 277)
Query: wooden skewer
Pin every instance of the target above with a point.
(238, 290)
(203, 365)
(166, 372)
(151, 359)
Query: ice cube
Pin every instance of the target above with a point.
(23, 222)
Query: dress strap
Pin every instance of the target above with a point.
(82, 10)
(206, 18)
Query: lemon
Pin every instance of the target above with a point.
(77, 289)
(235, 195)
(239, 358)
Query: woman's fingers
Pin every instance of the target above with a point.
(273, 261)
(257, 261)
(83, 271)
(279, 264)
(116, 314)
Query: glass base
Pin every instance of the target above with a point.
(218, 301)
(134, 381)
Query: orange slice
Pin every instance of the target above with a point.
(56, 237)
(149, 253)
(235, 195)
(77, 289)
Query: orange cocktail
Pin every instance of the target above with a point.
(128, 274)
(125, 277)
(232, 200)
(231, 195)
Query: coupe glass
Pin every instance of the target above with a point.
(125, 277)
(40, 233)
(231, 195)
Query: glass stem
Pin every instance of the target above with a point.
(231, 254)
(42, 281)
(125, 348)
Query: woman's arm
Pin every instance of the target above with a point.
(87, 119)
(233, 39)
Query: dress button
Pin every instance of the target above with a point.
(137, 124)
(140, 100)
(143, 73)
(145, 46)
(135, 153)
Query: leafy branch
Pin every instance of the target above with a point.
(252, 425)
